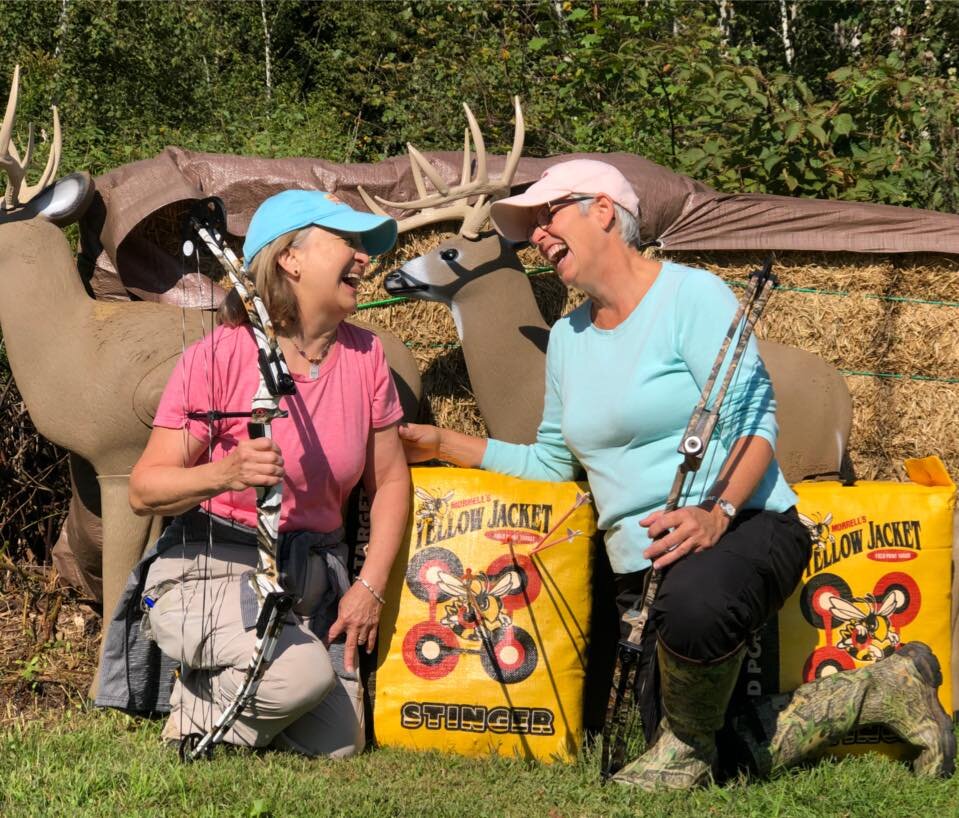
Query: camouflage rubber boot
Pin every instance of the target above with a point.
(898, 692)
(695, 697)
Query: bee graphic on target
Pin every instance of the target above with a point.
(430, 507)
(819, 530)
(470, 613)
(858, 629)
(476, 609)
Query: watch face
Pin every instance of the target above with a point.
(728, 508)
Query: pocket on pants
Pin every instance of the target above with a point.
(166, 619)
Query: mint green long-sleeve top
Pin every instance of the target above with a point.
(618, 401)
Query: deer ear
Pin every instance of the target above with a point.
(65, 201)
(62, 203)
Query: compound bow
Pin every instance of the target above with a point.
(207, 220)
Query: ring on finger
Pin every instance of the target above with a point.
(672, 547)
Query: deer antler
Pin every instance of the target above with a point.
(450, 203)
(18, 191)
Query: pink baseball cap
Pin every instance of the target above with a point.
(514, 216)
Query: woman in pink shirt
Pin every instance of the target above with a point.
(307, 253)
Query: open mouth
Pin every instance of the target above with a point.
(556, 253)
(351, 280)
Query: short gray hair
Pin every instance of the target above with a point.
(627, 222)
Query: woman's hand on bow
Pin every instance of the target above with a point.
(359, 618)
(166, 480)
(254, 462)
(686, 530)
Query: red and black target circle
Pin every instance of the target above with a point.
(810, 600)
(825, 661)
(430, 650)
(530, 582)
(509, 655)
(421, 573)
(898, 581)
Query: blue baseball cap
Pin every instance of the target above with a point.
(295, 209)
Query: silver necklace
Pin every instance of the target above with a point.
(315, 360)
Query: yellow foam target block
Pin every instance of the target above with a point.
(879, 576)
(483, 638)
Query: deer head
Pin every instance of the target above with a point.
(61, 202)
(476, 251)
(478, 275)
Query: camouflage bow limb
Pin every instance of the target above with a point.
(693, 447)
(207, 221)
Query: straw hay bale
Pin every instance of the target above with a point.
(822, 271)
(898, 419)
(926, 275)
(844, 332)
(924, 341)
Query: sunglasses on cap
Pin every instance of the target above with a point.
(544, 215)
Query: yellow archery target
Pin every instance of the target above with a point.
(483, 639)
(879, 576)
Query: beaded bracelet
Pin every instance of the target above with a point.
(372, 590)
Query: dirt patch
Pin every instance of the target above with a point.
(49, 640)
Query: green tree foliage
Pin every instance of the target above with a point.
(861, 105)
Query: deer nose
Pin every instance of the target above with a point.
(398, 283)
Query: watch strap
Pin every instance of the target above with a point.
(725, 506)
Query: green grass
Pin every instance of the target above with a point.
(104, 764)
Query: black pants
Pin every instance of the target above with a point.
(709, 603)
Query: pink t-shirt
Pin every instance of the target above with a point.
(323, 440)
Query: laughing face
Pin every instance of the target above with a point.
(568, 238)
(328, 268)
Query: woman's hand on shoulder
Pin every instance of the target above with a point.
(686, 530)
(254, 462)
(420, 441)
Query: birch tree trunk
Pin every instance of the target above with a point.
(726, 14)
(784, 17)
(266, 51)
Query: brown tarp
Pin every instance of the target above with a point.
(756, 221)
(130, 236)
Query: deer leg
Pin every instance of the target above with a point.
(125, 537)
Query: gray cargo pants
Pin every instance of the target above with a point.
(202, 615)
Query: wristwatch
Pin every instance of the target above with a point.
(725, 506)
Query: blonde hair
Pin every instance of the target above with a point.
(271, 283)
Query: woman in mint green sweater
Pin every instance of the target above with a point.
(623, 373)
